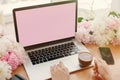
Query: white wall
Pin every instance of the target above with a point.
(115, 5)
(95, 4)
(8, 7)
(86, 4)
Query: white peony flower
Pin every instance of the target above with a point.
(1, 31)
(104, 38)
(5, 45)
(118, 33)
(83, 35)
(20, 52)
(5, 71)
(102, 34)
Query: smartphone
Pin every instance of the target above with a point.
(106, 55)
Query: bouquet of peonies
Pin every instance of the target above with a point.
(12, 55)
(102, 30)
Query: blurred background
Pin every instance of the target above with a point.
(86, 8)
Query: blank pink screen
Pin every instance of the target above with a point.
(44, 24)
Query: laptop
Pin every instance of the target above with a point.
(47, 33)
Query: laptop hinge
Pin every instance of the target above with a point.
(48, 43)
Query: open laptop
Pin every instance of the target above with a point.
(47, 32)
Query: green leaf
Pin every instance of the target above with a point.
(118, 14)
(114, 14)
(80, 19)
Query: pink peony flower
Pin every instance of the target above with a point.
(85, 32)
(12, 59)
(113, 23)
(85, 24)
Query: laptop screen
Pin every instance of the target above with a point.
(47, 23)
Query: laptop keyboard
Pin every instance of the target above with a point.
(51, 53)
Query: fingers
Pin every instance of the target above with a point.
(101, 61)
(53, 69)
(63, 66)
(98, 62)
(98, 77)
(58, 67)
(96, 65)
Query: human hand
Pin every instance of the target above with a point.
(59, 72)
(101, 70)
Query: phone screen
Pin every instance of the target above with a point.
(106, 55)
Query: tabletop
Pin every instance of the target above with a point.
(87, 74)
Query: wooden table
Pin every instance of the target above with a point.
(87, 74)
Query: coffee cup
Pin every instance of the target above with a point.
(85, 58)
